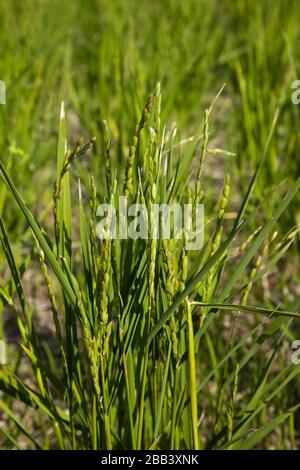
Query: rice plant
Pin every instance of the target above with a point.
(145, 350)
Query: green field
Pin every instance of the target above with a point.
(144, 343)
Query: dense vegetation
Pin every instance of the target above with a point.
(144, 344)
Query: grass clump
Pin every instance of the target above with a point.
(142, 357)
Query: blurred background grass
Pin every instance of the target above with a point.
(103, 59)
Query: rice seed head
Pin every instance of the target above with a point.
(127, 185)
(224, 198)
(51, 294)
(170, 289)
(205, 136)
(103, 301)
(253, 272)
(241, 248)
(107, 143)
(157, 108)
(79, 150)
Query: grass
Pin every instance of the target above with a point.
(149, 345)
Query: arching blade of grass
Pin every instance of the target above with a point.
(63, 208)
(39, 235)
(248, 309)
